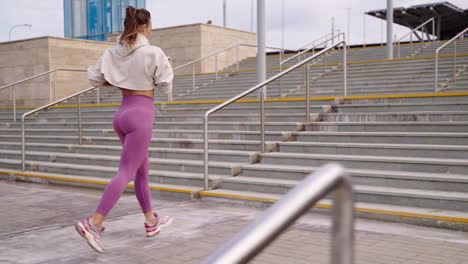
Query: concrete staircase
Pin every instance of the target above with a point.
(368, 73)
(405, 147)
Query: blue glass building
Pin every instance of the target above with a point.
(95, 19)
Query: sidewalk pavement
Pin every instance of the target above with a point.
(36, 226)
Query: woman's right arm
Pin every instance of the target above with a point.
(94, 74)
(163, 73)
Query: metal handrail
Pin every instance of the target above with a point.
(80, 133)
(312, 48)
(459, 35)
(258, 235)
(337, 31)
(37, 76)
(414, 30)
(237, 46)
(262, 102)
(332, 39)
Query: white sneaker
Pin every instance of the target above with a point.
(161, 223)
(91, 234)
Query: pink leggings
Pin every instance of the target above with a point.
(133, 123)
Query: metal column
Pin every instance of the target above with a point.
(224, 13)
(390, 29)
(261, 43)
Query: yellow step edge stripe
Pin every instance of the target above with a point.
(377, 46)
(331, 64)
(88, 181)
(291, 99)
(253, 198)
(357, 209)
(327, 98)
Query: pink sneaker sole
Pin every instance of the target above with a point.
(81, 230)
(160, 227)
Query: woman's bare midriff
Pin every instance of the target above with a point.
(135, 92)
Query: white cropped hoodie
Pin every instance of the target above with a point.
(141, 67)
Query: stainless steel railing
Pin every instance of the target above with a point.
(262, 101)
(258, 235)
(13, 89)
(80, 131)
(422, 26)
(312, 43)
(313, 48)
(454, 39)
(215, 55)
(339, 37)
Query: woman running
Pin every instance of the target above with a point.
(136, 68)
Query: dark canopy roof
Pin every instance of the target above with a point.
(452, 18)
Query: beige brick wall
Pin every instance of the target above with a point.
(25, 58)
(19, 60)
(75, 54)
(215, 38)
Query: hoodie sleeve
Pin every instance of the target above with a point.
(94, 74)
(163, 74)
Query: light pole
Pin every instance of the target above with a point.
(364, 31)
(389, 29)
(224, 13)
(333, 30)
(282, 24)
(251, 15)
(261, 44)
(349, 25)
(15, 26)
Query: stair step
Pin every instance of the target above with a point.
(457, 220)
(375, 177)
(455, 166)
(161, 189)
(402, 150)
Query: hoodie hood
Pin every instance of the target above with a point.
(124, 50)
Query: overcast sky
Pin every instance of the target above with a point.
(305, 20)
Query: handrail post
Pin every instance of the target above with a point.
(281, 57)
(55, 86)
(280, 84)
(13, 90)
(411, 44)
(436, 71)
(307, 93)
(80, 132)
(23, 144)
(399, 54)
(345, 69)
(324, 63)
(434, 36)
(262, 120)
(422, 35)
(205, 163)
(98, 95)
(237, 57)
(343, 221)
(193, 77)
(216, 67)
(454, 59)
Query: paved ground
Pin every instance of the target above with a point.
(36, 226)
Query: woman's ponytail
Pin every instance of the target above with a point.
(134, 19)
